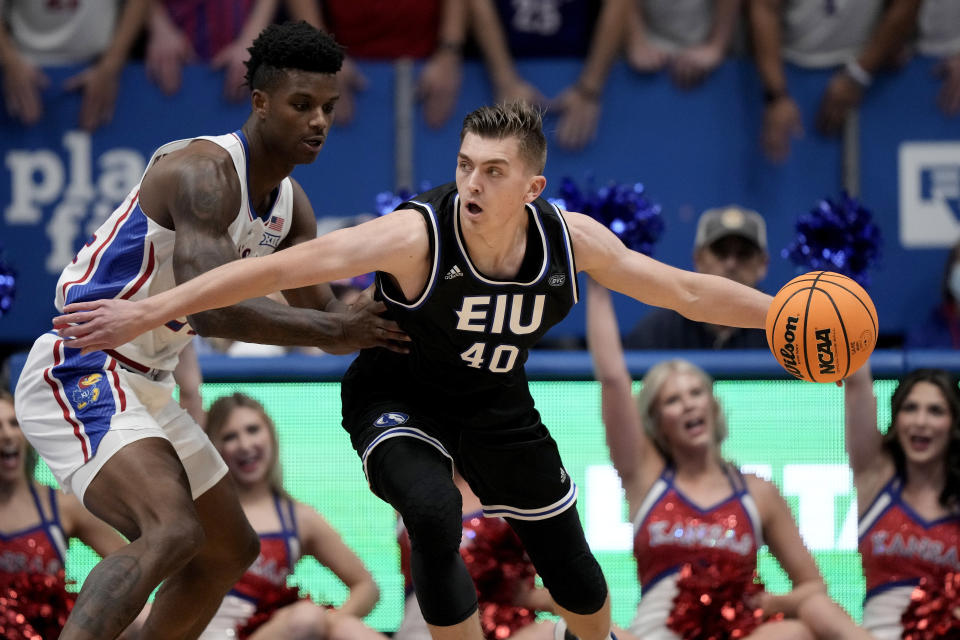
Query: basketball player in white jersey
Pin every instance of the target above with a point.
(105, 422)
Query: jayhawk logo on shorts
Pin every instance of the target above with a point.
(87, 391)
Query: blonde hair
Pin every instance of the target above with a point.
(652, 384)
(220, 412)
(515, 119)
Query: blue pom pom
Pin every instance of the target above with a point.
(8, 285)
(837, 236)
(388, 201)
(623, 208)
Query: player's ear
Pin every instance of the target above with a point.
(535, 188)
(259, 101)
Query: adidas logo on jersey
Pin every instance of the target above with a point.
(453, 273)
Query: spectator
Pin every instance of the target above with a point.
(941, 329)
(858, 37)
(505, 31)
(730, 242)
(690, 38)
(939, 35)
(96, 32)
(432, 30)
(261, 606)
(215, 32)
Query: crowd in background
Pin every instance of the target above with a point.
(688, 40)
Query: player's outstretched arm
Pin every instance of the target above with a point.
(698, 296)
(396, 243)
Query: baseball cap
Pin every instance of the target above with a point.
(730, 221)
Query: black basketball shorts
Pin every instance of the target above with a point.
(516, 472)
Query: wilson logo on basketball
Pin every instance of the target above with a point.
(788, 353)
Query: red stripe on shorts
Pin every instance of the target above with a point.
(112, 368)
(62, 403)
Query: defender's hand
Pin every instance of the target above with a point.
(100, 324)
(363, 326)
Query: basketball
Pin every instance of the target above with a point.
(821, 326)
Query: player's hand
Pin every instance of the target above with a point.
(843, 94)
(22, 83)
(100, 324)
(232, 59)
(363, 326)
(781, 124)
(99, 85)
(439, 86)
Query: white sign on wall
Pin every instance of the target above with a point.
(929, 194)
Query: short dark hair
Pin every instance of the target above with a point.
(291, 45)
(947, 383)
(511, 119)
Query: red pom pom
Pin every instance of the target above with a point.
(934, 610)
(500, 569)
(275, 598)
(713, 600)
(33, 606)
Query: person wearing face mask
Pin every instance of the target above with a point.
(941, 330)
(731, 242)
(260, 606)
(698, 521)
(908, 498)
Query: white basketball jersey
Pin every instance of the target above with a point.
(939, 28)
(131, 256)
(59, 32)
(826, 33)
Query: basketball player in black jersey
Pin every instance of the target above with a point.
(475, 273)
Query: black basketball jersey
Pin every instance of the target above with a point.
(471, 333)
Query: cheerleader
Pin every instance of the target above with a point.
(908, 496)
(698, 521)
(261, 606)
(36, 524)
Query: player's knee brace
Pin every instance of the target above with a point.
(445, 591)
(415, 479)
(576, 583)
(560, 553)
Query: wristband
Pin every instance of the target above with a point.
(857, 73)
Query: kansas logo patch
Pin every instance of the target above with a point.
(390, 419)
(87, 390)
